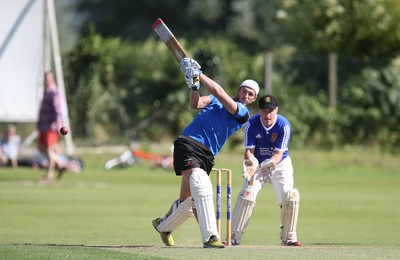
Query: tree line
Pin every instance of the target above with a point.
(122, 82)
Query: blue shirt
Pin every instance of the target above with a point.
(213, 125)
(267, 140)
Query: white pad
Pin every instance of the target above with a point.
(289, 214)
(245, 203)
(202, 192)
(181, 211)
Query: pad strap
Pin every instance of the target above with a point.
(181, 211)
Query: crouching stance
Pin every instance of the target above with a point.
(267, 160)
(195, 149)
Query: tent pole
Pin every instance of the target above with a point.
(59, 72)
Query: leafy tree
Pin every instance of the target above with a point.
(366, 29)
(155, 94)
(123, 80)
(91, 87)
(136, 89)
(370, 105)
(252, 24)
(361, 33)
(130, 20)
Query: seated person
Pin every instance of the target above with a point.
(10, 147)
(64, 163)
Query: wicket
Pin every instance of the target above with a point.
(228, 202)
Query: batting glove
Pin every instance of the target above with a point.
(189, 64)
(192, 78)
(249, 168)
(267, 168)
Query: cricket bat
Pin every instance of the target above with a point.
(169, 39)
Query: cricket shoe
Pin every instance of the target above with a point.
(213, 242)
(291, 243)
(166, 237)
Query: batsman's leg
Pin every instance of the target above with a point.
(289, 214)
(180, 212)
(201, 188)
(242, 211)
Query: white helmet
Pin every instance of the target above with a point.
(251, 84)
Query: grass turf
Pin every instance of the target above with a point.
(349, 210)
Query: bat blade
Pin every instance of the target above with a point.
(169, 39)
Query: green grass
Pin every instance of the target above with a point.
(350, 209)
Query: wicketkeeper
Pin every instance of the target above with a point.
(195, 149)
(266, 140)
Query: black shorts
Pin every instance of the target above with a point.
(188, 155)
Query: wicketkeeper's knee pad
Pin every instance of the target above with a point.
(244, 205)
(289, 215)
(202, 192)
(248, 193)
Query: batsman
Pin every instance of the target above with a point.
(266, 140)
(219, 118)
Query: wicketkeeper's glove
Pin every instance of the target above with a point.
(267, 168)
(249, 168)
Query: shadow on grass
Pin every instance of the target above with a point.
(335, 244)
(93, 246)
(106, 246)
(193, 247)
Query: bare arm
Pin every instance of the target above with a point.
(277, 157)
(198, 102)
(215, 89)
(248, 153)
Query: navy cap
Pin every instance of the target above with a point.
(267, 101)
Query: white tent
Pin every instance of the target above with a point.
(28, 44)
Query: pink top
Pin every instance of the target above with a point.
(50, 110)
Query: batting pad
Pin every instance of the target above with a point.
(289, 214)
(180, 213)
(242, 213)
(201, 188)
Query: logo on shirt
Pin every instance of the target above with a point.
(258, 136)
(274, 136)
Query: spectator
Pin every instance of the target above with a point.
(9, 147)
(39, 161)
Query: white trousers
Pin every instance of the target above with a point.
(282, 180)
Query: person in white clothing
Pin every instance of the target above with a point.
(266, 141)
(10, 146)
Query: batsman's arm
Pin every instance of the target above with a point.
(215, 89)
(198, 102)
